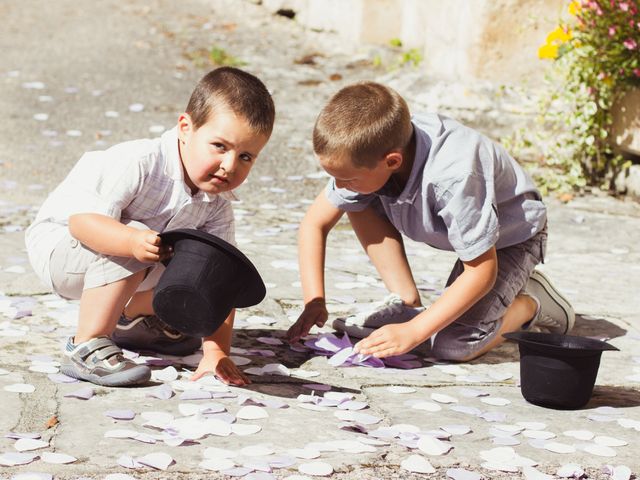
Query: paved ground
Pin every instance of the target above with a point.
(64, 67)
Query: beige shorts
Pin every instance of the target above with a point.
(74, 268)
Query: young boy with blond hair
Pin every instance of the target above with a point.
(445, 185)
(96, 239)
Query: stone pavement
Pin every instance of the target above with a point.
(123, 57)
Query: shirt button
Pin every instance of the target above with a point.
(74, 243)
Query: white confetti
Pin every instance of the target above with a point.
(610, 441)
(252, 412)
(599, 450)
(558, 447)
(442, 398)
(136, 107)
(531, 473)
(456, 429)
(157, 460)
(462, 474)
(579, 434)
(427, 406)
(59, 458)
(305, 453)
(168, 374)
(321, 469)
(400, 389)
(217, 464)
(243, 430)
(539, 434)
(28, 444)
(570, 470)
(433, 446)
(417, 464)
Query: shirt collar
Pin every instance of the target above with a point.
(173, 166)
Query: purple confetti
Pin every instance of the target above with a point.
(84, 393)
(121, 414)
(281, 461)
(320, 387)
(19, 435)
(62, 378)
(195, 395)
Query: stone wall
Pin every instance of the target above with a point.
(493, 40)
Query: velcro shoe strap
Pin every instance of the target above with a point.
(107, 352)
(103, 347)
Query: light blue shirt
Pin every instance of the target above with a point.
(465, 193)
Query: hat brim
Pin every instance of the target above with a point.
(255, 290)
(554, 342)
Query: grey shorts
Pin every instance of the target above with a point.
(480, 324)
(74, 267)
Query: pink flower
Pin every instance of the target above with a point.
(636, 72)
(630, 44)
(624, 6)
(612, 31)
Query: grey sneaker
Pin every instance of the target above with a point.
(149, 333)
(99, 361)
(391, 310)
(555, 314)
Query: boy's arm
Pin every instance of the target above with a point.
(320, 218)
(475, 282)
(108, 236)
(215, 349)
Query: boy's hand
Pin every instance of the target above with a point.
(390, 340)
(223, 368)
(314, 313)
(146, 246)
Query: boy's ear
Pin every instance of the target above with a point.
(185, 126)
(393, 160)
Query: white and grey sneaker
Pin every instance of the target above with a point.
(555, 314)
(391, 310)
(101, 362)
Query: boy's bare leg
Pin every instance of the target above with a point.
(384, 246)
(519, 312)
(140, 304)
(101, 307)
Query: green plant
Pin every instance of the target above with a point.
(218, 56)
(401, 57)
(596, 59)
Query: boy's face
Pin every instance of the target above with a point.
(357, 179)
(218, 156)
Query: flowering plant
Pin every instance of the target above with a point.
(596, 57)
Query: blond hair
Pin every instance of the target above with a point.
(365, 121)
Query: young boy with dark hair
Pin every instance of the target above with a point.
(443, 184)
(96, 239)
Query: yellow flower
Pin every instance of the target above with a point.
(559, 35)
(574, 7)
(548, 51)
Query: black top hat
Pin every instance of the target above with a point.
(558, 371)
(204, 280)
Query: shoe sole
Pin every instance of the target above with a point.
(133, 376)
(557, 297)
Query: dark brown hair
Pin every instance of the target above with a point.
(364, 121)
(243, 93)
